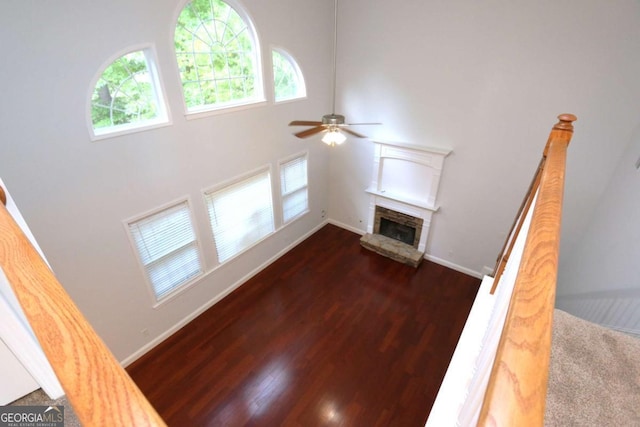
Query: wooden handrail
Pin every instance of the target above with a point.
(98, 388)
(517, 387)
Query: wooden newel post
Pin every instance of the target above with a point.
(566, 122)
(562, 131)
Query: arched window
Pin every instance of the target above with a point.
(288, 82)
(127, 96)
(217, 54)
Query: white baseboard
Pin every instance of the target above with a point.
(175, 328)
(615, 309)
(346, 227)
(454, 266)
(428, 257)
(633, 332)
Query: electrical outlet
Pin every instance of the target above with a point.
(323, 214)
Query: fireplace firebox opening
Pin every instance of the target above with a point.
(397, 225)
(397, 231)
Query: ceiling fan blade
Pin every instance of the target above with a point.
(360, 124)
(309, 132)
(304, 123)
(359, 135)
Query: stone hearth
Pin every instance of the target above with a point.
(392, 248)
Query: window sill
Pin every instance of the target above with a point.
(126, 130)
(289, 100)
(194, 115)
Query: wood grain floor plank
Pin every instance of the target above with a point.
(330, 334)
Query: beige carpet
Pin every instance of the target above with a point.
(594, 376)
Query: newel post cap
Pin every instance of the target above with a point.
(565, 122)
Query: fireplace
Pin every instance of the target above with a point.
(396, 225)
(402, 200)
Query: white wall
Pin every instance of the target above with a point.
(487, 79)
(75, 193)
(484, 78)
(606, 258)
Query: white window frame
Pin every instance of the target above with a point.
(164, 113)
(207, 193)
(302, 87)
(281, 166)
(214, 109)
(160, 299)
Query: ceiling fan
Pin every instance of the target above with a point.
(332, 125)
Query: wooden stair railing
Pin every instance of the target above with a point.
(516, 393)
(98, 388)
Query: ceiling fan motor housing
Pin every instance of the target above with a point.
(333, 119)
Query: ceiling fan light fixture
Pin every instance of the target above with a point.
(334, 137)
(333, 119)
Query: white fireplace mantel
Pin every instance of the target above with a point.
(406, 179)
(407, 173)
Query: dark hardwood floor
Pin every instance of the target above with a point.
(330, 334)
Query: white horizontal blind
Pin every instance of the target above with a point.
(167, 246)
(293, 187)
(241, 214)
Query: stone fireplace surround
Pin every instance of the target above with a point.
(401, 221)
(403, 189)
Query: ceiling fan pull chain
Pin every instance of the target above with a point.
(335, 55)
(332, 124)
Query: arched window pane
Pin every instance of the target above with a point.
(216, 56)
(125, 94)
(288, 82)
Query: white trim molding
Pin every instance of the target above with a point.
(617, 309)
(406, 180)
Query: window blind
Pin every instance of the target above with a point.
(293, 187)
(241, 214)
(167, 247)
